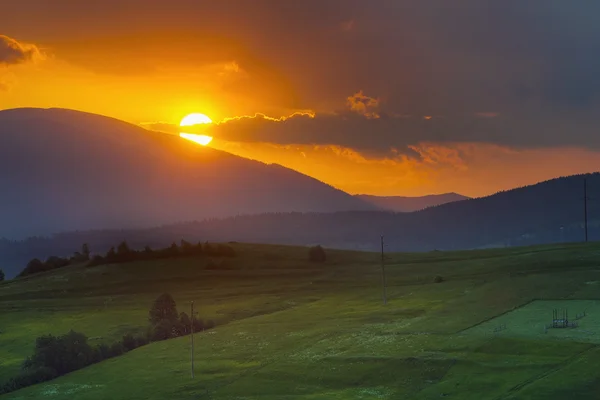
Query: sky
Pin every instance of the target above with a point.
(385, 97)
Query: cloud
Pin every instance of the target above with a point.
(363, 105)
(13, 52)
(515, 73)
(387, 134)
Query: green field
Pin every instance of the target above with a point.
(291, 329)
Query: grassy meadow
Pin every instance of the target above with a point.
(288, 328)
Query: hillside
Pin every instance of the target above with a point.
(287, 327)
(69, 170)
(548, 212)
(410, 204)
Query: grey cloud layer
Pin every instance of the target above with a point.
(534, 62)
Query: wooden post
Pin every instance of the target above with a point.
(192, 335)
(383, 274)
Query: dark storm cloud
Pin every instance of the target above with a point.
(397, 134)
(531, 64)
(13, 52)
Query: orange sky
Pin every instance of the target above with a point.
(396, 112)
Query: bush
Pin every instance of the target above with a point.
(209, 324)
(111, 255)
(101, 352)
(33, 267)
(222, 250)
(56, 262)
(27, 378)
(163, 308)
(163, 330)
(198, 325)
(85, 251)
(129, 342)
(317, 254)
(116, 349)
(2, 276)
(61, 354)
(96, 260)
(124, 253)
(438, 279)
(225, 250)
(185, 322)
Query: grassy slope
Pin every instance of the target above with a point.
(314, 331)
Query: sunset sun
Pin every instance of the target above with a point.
(195, 119)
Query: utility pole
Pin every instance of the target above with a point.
(585, 216)
(383, 273)
(192, 335)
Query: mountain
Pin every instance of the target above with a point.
(64, 170)
(547, 212)
(410, 204)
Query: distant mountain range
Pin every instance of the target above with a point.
(63, 170)
(547, 212)
(410, 204)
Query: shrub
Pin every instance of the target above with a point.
(438, 279)
(185, 322)
(198, 325)
(116, 349)
(317, 254)
(163, 330)
(61, 354)
(186, 247)
(225, 250)
(142, 340)
(85, 251)
(111, 255)
(209, 324)
(163, 308)
(129, 342)
(101, 352)
(33, 267)
(54, 262)
(2, 276)
(27, 378)
(96, 260)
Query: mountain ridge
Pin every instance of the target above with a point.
(96, 172)
(411, 203)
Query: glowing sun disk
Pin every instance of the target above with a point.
(195, 119)
(200, 139)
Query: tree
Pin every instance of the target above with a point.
(33, 267)
(61, 354)
(162, 330)
(163, 308)
(186, 323)
(111, 255)
(54, 262)
(2, 276)
(186, 247)
(317, 254)
(85, 251)
(124, 253)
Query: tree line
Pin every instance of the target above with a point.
(124, 254)
(54, 356)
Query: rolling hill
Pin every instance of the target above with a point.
(287, 328)
(65, 170)
(409, 204)
(548, 212)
